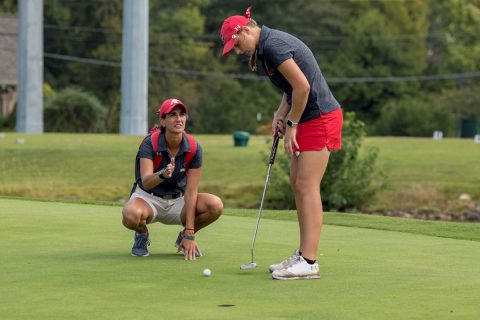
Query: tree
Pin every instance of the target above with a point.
(349, 39)
(86, 30)
(8, 6)
(381, 41)
(454, 41)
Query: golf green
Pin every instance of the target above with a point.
(72, 261)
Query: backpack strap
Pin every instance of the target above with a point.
(193, 150)
(157, 159)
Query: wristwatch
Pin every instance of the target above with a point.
(292, 124)
(161, 176)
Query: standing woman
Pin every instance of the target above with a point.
(309, 118)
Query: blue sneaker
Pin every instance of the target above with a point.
(140, 245)
(180, 237)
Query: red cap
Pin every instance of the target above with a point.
(231, 26)
(168, 105)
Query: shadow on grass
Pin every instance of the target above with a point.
(250, 274)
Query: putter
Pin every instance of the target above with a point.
(272, 160)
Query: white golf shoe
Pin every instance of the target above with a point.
(285, 263)
(298, 269)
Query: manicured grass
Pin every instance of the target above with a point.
(101, 167)
(71, 261)
(451, 165)
(67, 166)
(86, 167)
(444, 229)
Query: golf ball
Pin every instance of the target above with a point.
(207, 272)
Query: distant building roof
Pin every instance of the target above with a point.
(8, 49)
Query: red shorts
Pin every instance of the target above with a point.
(321, 132)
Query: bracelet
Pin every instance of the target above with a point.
(189, 237)
(189, 229)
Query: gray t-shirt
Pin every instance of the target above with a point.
(178, 181)
(277, 46)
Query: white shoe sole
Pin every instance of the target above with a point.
(309, 277)
(274, 269)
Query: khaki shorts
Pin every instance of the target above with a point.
(166, 211)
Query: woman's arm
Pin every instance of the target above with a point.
(300, 92)
(191, 193)
(151, 179)
(278, 122)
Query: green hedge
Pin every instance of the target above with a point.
(73, 110)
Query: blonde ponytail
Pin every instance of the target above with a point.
(252, 63)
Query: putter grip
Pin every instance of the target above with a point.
(273, 153)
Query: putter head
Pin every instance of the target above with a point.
(248, 266)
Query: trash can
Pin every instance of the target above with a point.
(468, 128)
(240, 138)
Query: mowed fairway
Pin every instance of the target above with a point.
(72, 261)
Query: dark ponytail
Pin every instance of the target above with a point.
(155, 127)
